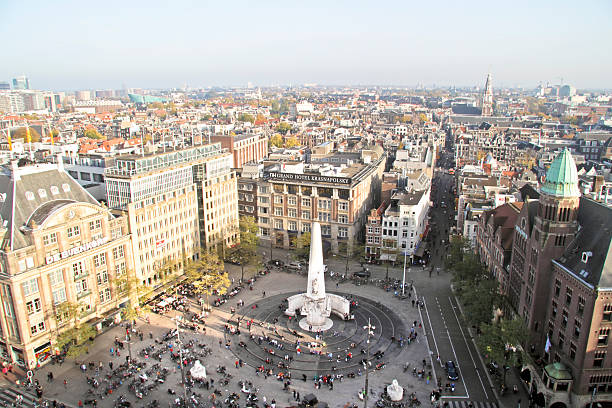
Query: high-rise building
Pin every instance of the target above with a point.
(21, 82)
(487, 98)
(5, 86)
(176, 203)
(58, 245)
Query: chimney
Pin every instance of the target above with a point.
(598, 182)
(60, 162)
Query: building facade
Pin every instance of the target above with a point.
(244, 148)
(59, 245)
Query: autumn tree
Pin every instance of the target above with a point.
(208, 276)
(350, 250)
(245, 253)
(20, 133)
(291, 142)
(92, 133)
(245, 117)
(301, 243)
(283, 128)
(75, 339)
(276, 140)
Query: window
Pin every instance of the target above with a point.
(599, 358)
(323, 216)
(554, 310)
(577, 326)
(278, 199)
(324, 204)
(568, 296)
(305, 202)
(326, 230)
(95, 225)
(263, 200)
(85, 176)
(343, 219)
(56, 277)
(37, 328)
(77, 269)
(59, 296)
(342, 206)
(30, 287)
(278, 224)
(607, 313)
(342, 232)
(118, 252)
(564, 319)
(278, 211)
(105, 295)
(561, 341)
(81, 286)
(292, 226)
(602, 340)
(292, 212)
(102, 277)
(305, 227)
(557, 287)
(99, 260)
(263, 220)
(291, 200)
(119, 269)
(50, 239)
(263, 189)
(306, 215)
(98, 178)
(572, 351)
(74, 231)
(581, 303)
(33, 306)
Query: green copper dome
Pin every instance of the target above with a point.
(562, 177)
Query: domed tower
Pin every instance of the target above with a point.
(554, 225)
(558, 209)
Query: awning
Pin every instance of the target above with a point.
(388, 257)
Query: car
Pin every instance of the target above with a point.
(276, 262)
(364, 273)
(295, 265)
(451, 371)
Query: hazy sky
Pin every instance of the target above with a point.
(107, 44)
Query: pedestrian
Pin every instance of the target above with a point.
(50, 376)
(65, 383)
(263, 293)
(110, 365)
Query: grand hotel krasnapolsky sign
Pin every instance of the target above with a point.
(312, 178)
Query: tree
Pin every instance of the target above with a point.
(301, 243)
(350, 250)
(92, 133)
(245, 253)
(208, 275)
(283, 128)
(291, 142)
(501, 341)
(422, 117)
(389, 248)
(245, 117)
(76, 339)
(20, 133)
(276, 140)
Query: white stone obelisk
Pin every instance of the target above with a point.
(316, 268)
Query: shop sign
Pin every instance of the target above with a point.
(76, 250)
(311, 178)
(42, 353)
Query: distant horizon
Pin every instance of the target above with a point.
(72, 45)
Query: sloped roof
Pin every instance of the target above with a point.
(33, 195)
(594, 237)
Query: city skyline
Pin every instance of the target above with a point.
(145, 45)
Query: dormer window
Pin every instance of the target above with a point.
(65, 187)
(29, 195)
(42, 193)
(54, 190)
(586, 256)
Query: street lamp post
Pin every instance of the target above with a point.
(178, 341)
(404, 274)
(369, 328)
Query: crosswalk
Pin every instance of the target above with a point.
(8, 398)
(466, 404)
